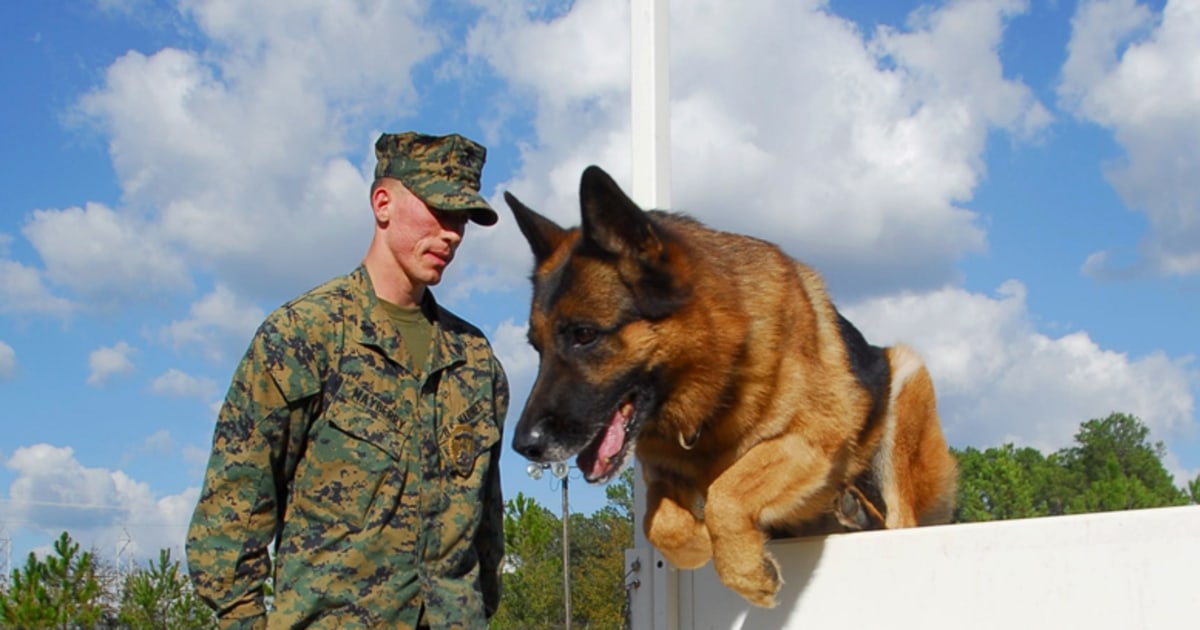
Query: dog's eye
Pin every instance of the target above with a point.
(584, 335)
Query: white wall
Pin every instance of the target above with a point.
(1118, 570)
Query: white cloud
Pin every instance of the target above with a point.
(159, 442)
(22, 290)
(104, 255)
(857, 153)
(108, 361)
(53, 492)
(217, 321)
(8, 362)
(133, 9)
(196, 456)
(232, 152)
(1000, 380)
(196, 459)
(580, 56)
(1137, 73)
(519, 359)
(179, 384)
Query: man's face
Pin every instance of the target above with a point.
(422, 240)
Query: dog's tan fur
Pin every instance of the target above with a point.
(761, 424)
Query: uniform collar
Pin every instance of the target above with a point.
(376, 329)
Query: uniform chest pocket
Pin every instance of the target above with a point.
(354, 463)
(369, 434)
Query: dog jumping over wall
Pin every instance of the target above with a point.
(753, 406)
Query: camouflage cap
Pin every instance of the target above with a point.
(443, 171)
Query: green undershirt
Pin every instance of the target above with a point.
(415, 330)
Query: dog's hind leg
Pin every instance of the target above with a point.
(918, 475)
(763, 487)
(856, 512)
(673, 528)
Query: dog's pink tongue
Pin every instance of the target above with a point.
(610, 446)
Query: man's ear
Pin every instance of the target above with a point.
(381, 203)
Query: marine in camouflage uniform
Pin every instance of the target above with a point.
(373, 482)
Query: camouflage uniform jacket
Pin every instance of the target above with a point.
(379, 487)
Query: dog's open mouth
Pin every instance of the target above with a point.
(605, 455)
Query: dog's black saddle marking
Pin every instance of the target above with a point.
(870, 366)
(868, 362)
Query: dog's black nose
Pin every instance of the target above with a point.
(531, 444)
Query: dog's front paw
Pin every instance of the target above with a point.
(692, 553)
(680, 536)
(758, 587)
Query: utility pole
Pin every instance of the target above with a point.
(124, 556)
(5, 558)
(566, 557)
(561, 471)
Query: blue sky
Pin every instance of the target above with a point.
(1008, 186)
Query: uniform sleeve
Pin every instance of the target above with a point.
(259, 435)
(490, 539)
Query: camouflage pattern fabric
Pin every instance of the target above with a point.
(443, 171)
(376, 489)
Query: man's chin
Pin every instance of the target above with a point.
(428, 273)
(432, 272)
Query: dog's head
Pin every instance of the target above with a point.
(599, 292)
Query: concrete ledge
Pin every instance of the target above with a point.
(1118, 570)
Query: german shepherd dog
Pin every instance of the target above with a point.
(754, 407)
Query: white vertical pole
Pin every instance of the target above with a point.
(651, 103)
(654, 603)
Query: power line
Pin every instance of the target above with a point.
(43, 523)
(104, 507)
(82, 506)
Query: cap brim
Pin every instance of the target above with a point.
(484, 216)
(463, 201)
(480, 211)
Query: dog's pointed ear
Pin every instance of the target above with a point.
(544, 235)
(612, 221)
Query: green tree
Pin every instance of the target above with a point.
(532, 596)
(620, 495)
(598, 544)
(75, 584)
(26, 603)
(62, 591)
(1005, 482)
(531, 593)
(1113, 466)
(160, 597)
